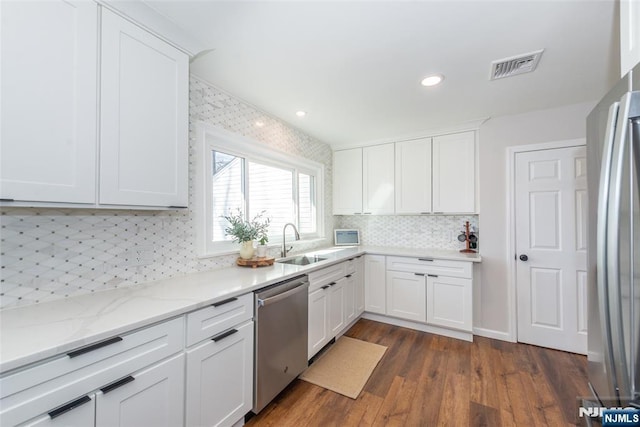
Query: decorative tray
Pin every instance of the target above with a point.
(255, 262)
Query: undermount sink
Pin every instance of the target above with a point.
(301, 260)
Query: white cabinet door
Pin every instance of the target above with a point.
(78, 415)
(454, 173)
(155, 397)
(48, 105)
(349, 299)
(449, 302)
(406, 296)
(378, 179)
(318, 320)
(336, 307)
(220, 379)
(347, 182)
(374, 284)
(359, 285)
(629, 35)
(144, 117)
(413, 176)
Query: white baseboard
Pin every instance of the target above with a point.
(490, 333)
(465, 336)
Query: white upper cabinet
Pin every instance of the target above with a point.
(454, 173)
(347, 182)
(378, 179)
(48, 101)
(413, 176)
(52, 97)
(629, 35)
(144, 117)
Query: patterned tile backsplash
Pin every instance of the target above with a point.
(423, 231)
(48, 254)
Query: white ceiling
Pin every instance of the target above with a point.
(355, 66)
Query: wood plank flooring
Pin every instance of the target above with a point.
(429, 380)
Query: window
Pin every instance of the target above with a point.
(236, 173)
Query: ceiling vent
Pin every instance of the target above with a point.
(514, 65)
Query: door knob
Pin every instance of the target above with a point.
(523, 257)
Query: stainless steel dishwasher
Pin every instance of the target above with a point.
(281, 324)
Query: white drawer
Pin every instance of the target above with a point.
(350, 266)
(207, 322)
(37, 389)
(439, 267)
(327, 275)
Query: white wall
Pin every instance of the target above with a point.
(495, 135)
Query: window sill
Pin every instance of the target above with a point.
(316, 240)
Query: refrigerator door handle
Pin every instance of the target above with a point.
(601, 249)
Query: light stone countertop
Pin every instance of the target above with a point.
(36, 332)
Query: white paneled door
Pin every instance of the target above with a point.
(550, 215)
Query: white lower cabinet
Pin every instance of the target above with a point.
(336, 306)
(349, 299)
(153, 397)
(220, 378)
(335, 297)
(449, 302)
(318, 320)
(406, 295)
(359, 285)
(375, 288)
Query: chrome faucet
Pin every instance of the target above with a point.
(284, 238)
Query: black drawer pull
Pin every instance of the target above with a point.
(92, 347)
(425, 259)
(432, 275)
(106, 389)
(224, 335)
(347, 276)
(69, 406)
(224, 301)
(325, 287)
(6, 200)
(332, 283)
(177, 207)
(419, 274)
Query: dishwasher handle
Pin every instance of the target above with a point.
(280, 297)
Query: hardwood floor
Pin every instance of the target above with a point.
(429, 380)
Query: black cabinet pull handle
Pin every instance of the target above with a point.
(177, 207)
(432, 275)
(106, 389)
(332, 283)
(325, 287)
(425, 259)
(92, 347)
(223, 302)
(69, 406)
(347, 276)
(419, 274)
(224, 335)
(6, 200)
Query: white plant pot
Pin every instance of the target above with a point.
(261, 251)
(246, 250)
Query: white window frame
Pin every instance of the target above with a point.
(209, 138)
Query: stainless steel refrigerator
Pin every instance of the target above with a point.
(613, 156)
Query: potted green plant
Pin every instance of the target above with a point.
(245, 232)
(261, 250)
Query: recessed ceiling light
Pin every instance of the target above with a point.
(432, 80)
(301, 113)
(259, 123)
